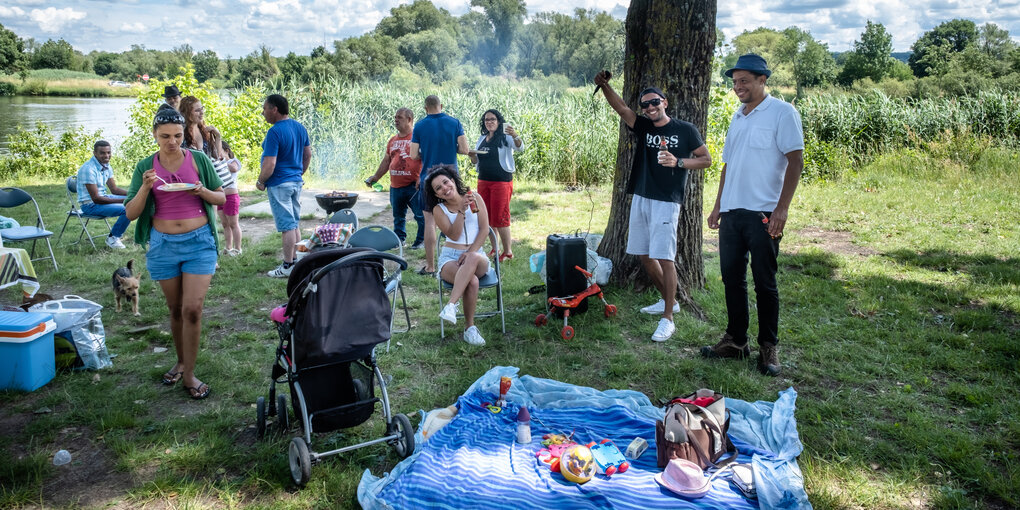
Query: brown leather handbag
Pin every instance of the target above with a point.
(694, 432)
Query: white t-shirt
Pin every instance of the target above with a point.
(755, 155)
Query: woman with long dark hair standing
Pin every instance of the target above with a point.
(494, 156)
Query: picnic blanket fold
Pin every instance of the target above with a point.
(473, 461)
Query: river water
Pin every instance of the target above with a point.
(109, 114)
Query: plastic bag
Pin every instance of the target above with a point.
(601, 267)
(81, 321)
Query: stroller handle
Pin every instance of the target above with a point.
(354, 257)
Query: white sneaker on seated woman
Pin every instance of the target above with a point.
(460, 214)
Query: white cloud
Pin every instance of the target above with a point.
(133, 28)
(11, 11)
(52, 19)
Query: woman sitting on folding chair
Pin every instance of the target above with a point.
(460, 214)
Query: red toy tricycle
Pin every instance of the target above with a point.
(568, 303)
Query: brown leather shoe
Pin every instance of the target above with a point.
(726, 348)
(768, 359)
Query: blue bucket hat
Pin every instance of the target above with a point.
(750, 62)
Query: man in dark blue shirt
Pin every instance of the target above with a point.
(435, 140)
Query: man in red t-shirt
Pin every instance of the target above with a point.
(404, 173)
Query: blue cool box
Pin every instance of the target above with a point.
(26, 350)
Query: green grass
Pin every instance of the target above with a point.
(899, 330)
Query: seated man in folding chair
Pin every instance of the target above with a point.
(461, 215)
(99, 194)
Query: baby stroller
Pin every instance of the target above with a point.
(336, 314)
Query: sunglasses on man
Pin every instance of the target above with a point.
(651, 102)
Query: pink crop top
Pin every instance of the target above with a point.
(177, 205)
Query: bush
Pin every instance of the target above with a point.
(7, 88)
(38, 154)
(33, 87)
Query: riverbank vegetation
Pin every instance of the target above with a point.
(62, 82)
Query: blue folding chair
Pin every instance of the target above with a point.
(14, 197)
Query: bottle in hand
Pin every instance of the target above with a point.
(662, 149)
(471, 202)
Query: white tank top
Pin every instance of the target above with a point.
(470, 225)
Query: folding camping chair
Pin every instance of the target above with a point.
(383, 239)
(83, 219)
(13, 197)
(491, 279)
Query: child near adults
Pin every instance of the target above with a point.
(461, 215)
(179, 228)
(226, 168)
(494, 156)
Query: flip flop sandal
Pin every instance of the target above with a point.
(423, 272)
(505, 257)
(171, 378)
(195, 393)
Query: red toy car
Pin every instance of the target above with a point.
(568, 303)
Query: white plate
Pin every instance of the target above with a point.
(178, 186)
(481, 151)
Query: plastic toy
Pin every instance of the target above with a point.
(555, 445)
(577, 464)
(608, 458)
(568, 303)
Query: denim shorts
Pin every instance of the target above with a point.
(171, 255)
(448, 254)
(284, 201)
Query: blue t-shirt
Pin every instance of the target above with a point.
(286, 140)
(436, 136)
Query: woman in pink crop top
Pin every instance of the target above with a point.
(461, 261)
(180, 230)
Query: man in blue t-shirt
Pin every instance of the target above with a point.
(664, 149)
(286, 153)
(435, 140)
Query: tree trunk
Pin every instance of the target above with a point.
(669, 45)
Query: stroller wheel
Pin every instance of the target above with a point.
(260, 417)
(282, 416)
(300, 461)
(404, 443)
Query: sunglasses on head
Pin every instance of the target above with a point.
(651, 102)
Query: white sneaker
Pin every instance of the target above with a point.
(664, 331)
(449, 313)
(473, 337)
(659, 307)
(281, 271)
(114, 242)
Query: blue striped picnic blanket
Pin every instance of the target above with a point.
(473, 462)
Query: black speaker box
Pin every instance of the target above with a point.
(562, 253)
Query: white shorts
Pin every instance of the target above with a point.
(653, 225)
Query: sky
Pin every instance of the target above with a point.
(236, 28)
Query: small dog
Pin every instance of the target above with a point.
(125, 285)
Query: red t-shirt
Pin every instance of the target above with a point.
(404, 171)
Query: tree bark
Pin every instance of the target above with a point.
(669, 45)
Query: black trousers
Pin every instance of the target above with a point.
(741, 234)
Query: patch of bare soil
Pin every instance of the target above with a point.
(90, 479)
(829, 241)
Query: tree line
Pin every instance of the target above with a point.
(957, 57)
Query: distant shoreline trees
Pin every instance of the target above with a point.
(497, 38)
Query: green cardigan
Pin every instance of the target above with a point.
(206, 174)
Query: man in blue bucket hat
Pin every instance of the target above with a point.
(762, 161)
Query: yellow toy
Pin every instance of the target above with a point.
(577, 464)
